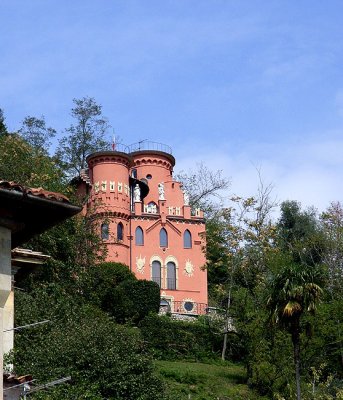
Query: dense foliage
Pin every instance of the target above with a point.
(282, 286)
(277, 286)
(171, 339)
(105, 360)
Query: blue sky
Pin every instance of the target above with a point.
(238, 85)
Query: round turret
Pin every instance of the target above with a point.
(154, 167)
(110, 201)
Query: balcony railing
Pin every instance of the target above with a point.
(183, 307)
(147, 145)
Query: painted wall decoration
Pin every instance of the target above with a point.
(189, 268)
(140, 264)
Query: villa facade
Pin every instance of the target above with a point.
(146, 222)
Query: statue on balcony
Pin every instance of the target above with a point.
(185, 198)
(137, 193)
(161, 191)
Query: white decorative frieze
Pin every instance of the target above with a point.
(174, 211)
(150, 208)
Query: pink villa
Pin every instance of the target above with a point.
(147, 223)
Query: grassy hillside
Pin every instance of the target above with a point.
(199, 381)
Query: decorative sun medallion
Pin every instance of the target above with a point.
(189, 268)
(140, 263)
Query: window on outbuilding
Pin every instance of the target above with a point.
(105, 231)
(156, 272)
(120, 231)
(163, 238)
(139, 236)
(187, 239)
(171, 276)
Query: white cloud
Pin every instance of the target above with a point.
(307, 172)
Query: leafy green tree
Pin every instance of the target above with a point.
(243, 239)
(87, 135)
(115, 289)
(132, 300)
(300, 233)
(35, 132)
(3, 127)
(21, 163)
(332, 224)
(104, 360)
(294, 290)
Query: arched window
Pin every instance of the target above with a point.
(156, 272)
(105, 231)
(139, 236)
(163, 238)
(151, 208)
(171, 276)
(187, 239)
(120, 231)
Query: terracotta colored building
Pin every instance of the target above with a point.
(146, 221)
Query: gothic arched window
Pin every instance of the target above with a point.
(120, 231)
(105, 231)
(187, 239)
(163, 238)
(171, 276)
(156, 272)
(139, 236)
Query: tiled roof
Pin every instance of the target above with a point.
(39, 192)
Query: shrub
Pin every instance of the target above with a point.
(170, 340)
(105, 360)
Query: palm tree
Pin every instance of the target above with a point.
(293, 291)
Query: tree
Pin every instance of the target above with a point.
(294, 290)
(300, 233)
(104, 360)
(332, 224)
(3, 127)
(204, 187)
(87, 135)
(23, 164)
(35, 132)
(250, 240)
